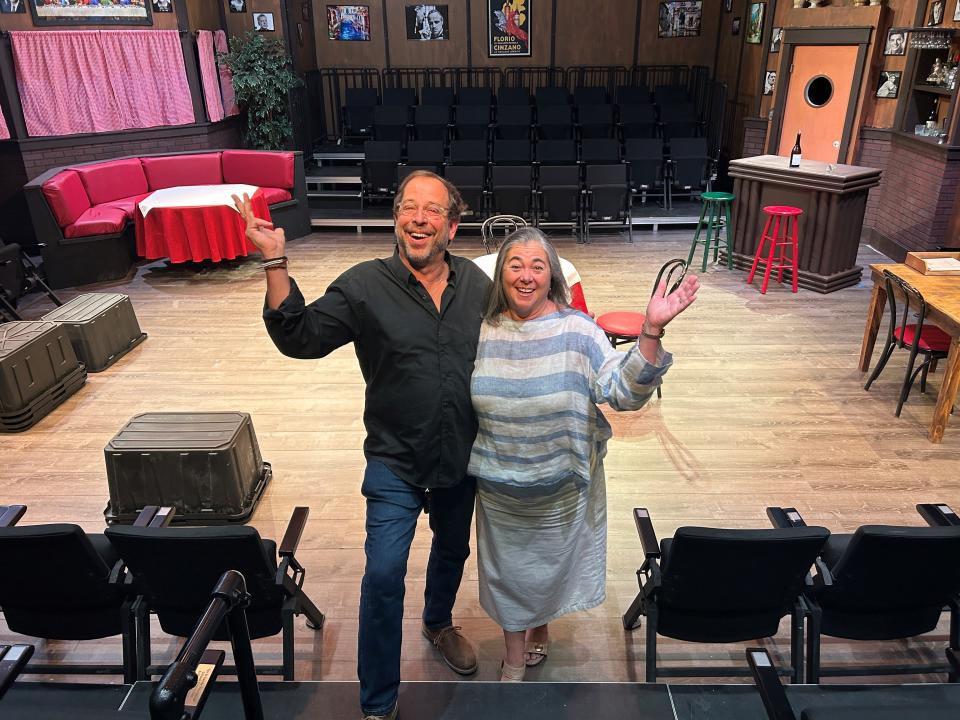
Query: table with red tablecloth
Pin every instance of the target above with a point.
(194, 223)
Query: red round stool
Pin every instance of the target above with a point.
(784, 221)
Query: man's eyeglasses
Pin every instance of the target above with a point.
(434, 212)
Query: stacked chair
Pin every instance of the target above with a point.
(657, 137)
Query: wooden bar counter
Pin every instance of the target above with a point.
(833, 198)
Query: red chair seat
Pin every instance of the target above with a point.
(625, 324)
(275, 195)
(128, 204)
(99, 220)
(932, 338)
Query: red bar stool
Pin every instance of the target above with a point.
(784, 221)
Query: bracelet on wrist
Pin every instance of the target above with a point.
(652, 336)
(277, 262)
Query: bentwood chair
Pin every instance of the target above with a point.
(919, 337)
(624, 326)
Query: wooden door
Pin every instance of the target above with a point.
(821, 127)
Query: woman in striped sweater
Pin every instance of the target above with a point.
(541, 369)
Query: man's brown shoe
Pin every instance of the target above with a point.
(456, 651)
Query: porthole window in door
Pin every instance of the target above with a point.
(818, 91)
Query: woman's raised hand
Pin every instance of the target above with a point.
(663, 308)
(269, 241)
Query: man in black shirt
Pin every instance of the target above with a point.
(414, 319)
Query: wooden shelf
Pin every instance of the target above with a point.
(933, 89)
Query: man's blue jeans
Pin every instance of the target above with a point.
(393, 507)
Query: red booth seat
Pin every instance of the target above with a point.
(98, 198)
(174, 170)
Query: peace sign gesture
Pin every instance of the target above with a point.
(269, 240)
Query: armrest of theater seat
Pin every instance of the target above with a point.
(785, 518)
(768, 683)
(938, 514)
(288, 546)
(291, 538)
(10, 514)
(13, 658)
(648, 536)
(155, 516)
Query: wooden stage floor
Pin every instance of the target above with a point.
(764, 405)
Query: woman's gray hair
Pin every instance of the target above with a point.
(559, 291)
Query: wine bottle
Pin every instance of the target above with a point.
(795, 154)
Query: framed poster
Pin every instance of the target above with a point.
(238, 6)
(936, 13)
(679, 19)
(348, 22)
(776, 37)
(136, 12)
(755, 23)
(508, 28)
(426, 22)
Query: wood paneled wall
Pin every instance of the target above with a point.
(564, 33)
(203, 15)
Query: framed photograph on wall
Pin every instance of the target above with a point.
(238, 6)
(956, 12)
(13, 6)
(348, 22)
(896, 42)
(508, 28)
(936, 12)
(263, 22)
(755, 23)
(889, 86)
(776, 37)
(100, 14)
(427, 22)
(679, 19)
(769, 82)
(728, 5)
(163, 6)
(735, 26)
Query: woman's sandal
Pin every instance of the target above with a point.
(509, 673)
(538, 650)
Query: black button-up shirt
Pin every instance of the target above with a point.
(416, 361)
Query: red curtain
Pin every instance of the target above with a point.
(209, 76)
(226, 77)
(82, 81)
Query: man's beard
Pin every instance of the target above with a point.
(422, 260)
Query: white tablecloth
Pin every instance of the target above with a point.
(195, 196)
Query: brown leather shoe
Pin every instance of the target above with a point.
(457, 652)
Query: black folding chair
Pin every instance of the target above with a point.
(474, 96)
(60, 583)
(560, 198)
(547, 96)
(512, 190)
(596, 121)
(713, 585)
(882, 582)
(437, 96)
(512, 96)
(555, 122)
(556, 152)
(171, 566)
(471, 181)
(608, 200)
(379, 170)
(513, 122)
(589, 96)
(638, 121)
(471, 122)
(647, 168)
(18, 276)
(431, 122)
(390, 122)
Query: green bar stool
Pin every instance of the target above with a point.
(714, 215)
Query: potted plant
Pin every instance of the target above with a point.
(262, 79)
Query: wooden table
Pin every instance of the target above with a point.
(942, 294)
